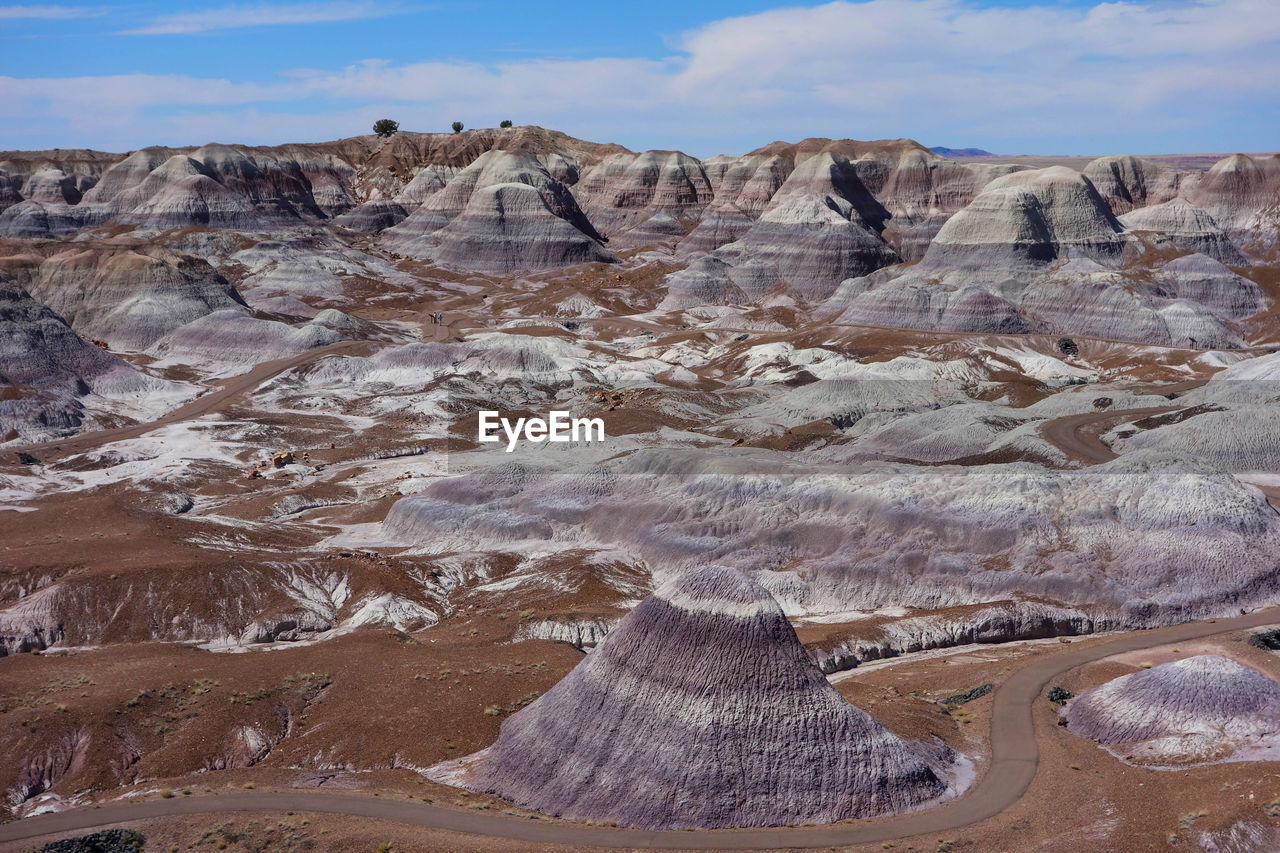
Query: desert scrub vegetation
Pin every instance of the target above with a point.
(1267, 640)
(513, 668)
(499, 710)
(968, 695)
(107, 841)
(254, 838)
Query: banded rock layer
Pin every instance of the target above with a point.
(46, 368)
(127, 296)
(1041, 251)
(505, 211)
(701, 709)
(1168, 536)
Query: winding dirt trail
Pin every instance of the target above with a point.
(202, 405)
(1071, 433)
(1014, 763)
(1076, 436)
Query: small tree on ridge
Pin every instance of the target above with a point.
(457, 127)
(506, 122)
(384, 127)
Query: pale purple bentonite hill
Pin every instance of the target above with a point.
(701, 709)
(1197, 710)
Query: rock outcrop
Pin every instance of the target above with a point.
(128, 296)
(512, 226)
(1040, 250)
(46, 369)
(373, 216)
(624, 190)
(505, 211)
(1180, 223)
(701, 709)
(1205, 281)
(1183, 539)
(1025, 220)
(1127, 182)
(710, 281)
(32, 218)
(51, 186)
(922, 191)
(821, 227)
(743, 190)
(1198, 710)
(231, 341)
(1242, 194)
(128, 174)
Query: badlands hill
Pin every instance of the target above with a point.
(884, 233)
(701, 709)
(904, 402)
(1193, 711)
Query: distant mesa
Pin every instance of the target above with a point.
(701, 709)
(956, 153)
(1200, 710)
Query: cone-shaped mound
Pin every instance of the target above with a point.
(700, 709)
(1200, 709)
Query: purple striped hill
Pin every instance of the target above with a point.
(701, 709)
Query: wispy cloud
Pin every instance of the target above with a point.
(951, 71)
(266, 15)
(48, 13)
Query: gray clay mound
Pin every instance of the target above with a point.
(701, 709)
(1199, 710)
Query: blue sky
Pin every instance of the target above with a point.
(1079, 77)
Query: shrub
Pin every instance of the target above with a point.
(457, 127)
(1066, 346)
(969, 695)
(1269, 640)
(506, 122)
(385, 127)
(1059, 695)
(107, 841)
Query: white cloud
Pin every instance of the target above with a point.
(11, 13)
(239, 17)
(949, 71)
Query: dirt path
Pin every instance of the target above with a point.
(1074, 436)
(1071, 433)
(1014, 763)
(202, 405)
